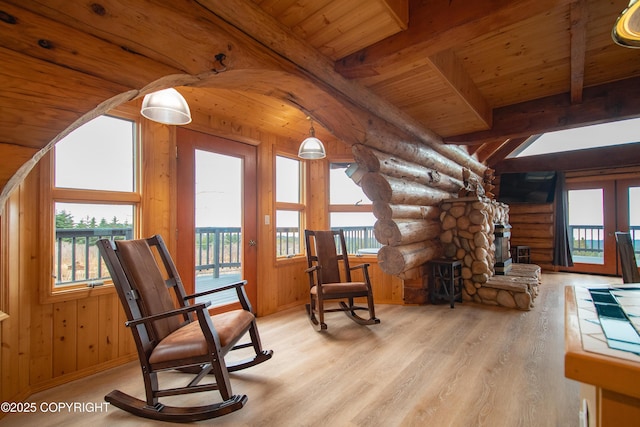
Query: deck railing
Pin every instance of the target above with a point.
(287, 241)
(217, 249)
(359, 238)
(356, 238)
(588, 240)
(77, 256)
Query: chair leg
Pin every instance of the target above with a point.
(350, 311)
(316, 304)
(150, 386)
(372, 310)
(219, 370)
(260, 354)
(311, 311)
(351, 304)
(321, 313)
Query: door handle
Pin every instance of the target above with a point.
(252, 242)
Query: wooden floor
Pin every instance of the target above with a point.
(423, 365)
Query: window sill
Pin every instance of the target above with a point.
(366, 258)
(290, 260)
(50, 296)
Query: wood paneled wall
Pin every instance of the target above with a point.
(46, 344)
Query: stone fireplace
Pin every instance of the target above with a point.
(471, 228)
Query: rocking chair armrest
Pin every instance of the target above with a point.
(234, 285)
(360, 266)
(170, 313)
(312, 269)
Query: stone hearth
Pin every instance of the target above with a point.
(468, 226)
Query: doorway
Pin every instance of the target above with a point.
(628, 194)
(216, 216)
(596, 211)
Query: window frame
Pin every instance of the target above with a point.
(50, 195)
(300, 207)
(4, 275)
(345, 208)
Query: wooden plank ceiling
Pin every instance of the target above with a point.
(485, 75)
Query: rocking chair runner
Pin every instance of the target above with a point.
(325, 282)
(185, 337)
(628, 262)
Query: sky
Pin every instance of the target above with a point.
(603, 135)
(98, 155)
(218, 190)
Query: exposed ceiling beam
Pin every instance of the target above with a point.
(605, 157)
(58, 43)
(255, 23)
(505, 149)
(485, 150)
(578, 48)
(609, 102)
(437, 25)
(450, 69)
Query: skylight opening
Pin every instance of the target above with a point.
(595, 136)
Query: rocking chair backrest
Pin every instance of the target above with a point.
(322, 250)
(628, 262)
(145, 277)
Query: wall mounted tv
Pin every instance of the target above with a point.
(527, 187)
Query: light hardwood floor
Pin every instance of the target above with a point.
(423, 365)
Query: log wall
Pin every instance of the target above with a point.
(407, 181)
(533, 225)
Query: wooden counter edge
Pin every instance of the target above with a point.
(607, 372)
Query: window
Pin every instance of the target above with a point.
(92, 189)
(289, 206)
(586, 225)
(600, 135)
(351, 210)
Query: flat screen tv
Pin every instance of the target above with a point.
(527, 187)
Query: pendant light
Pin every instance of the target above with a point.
(626, 31)
(311, 147)
(166, 106)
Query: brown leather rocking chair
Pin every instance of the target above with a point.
(628, 262)
(178, 335)
(325, 282)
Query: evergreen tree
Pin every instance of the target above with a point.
(64, 219)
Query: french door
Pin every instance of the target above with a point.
(596, 211)
(628, 196)
(216, 215)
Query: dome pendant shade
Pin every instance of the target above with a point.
(166, 106)
(312, 147)
(626, 31)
